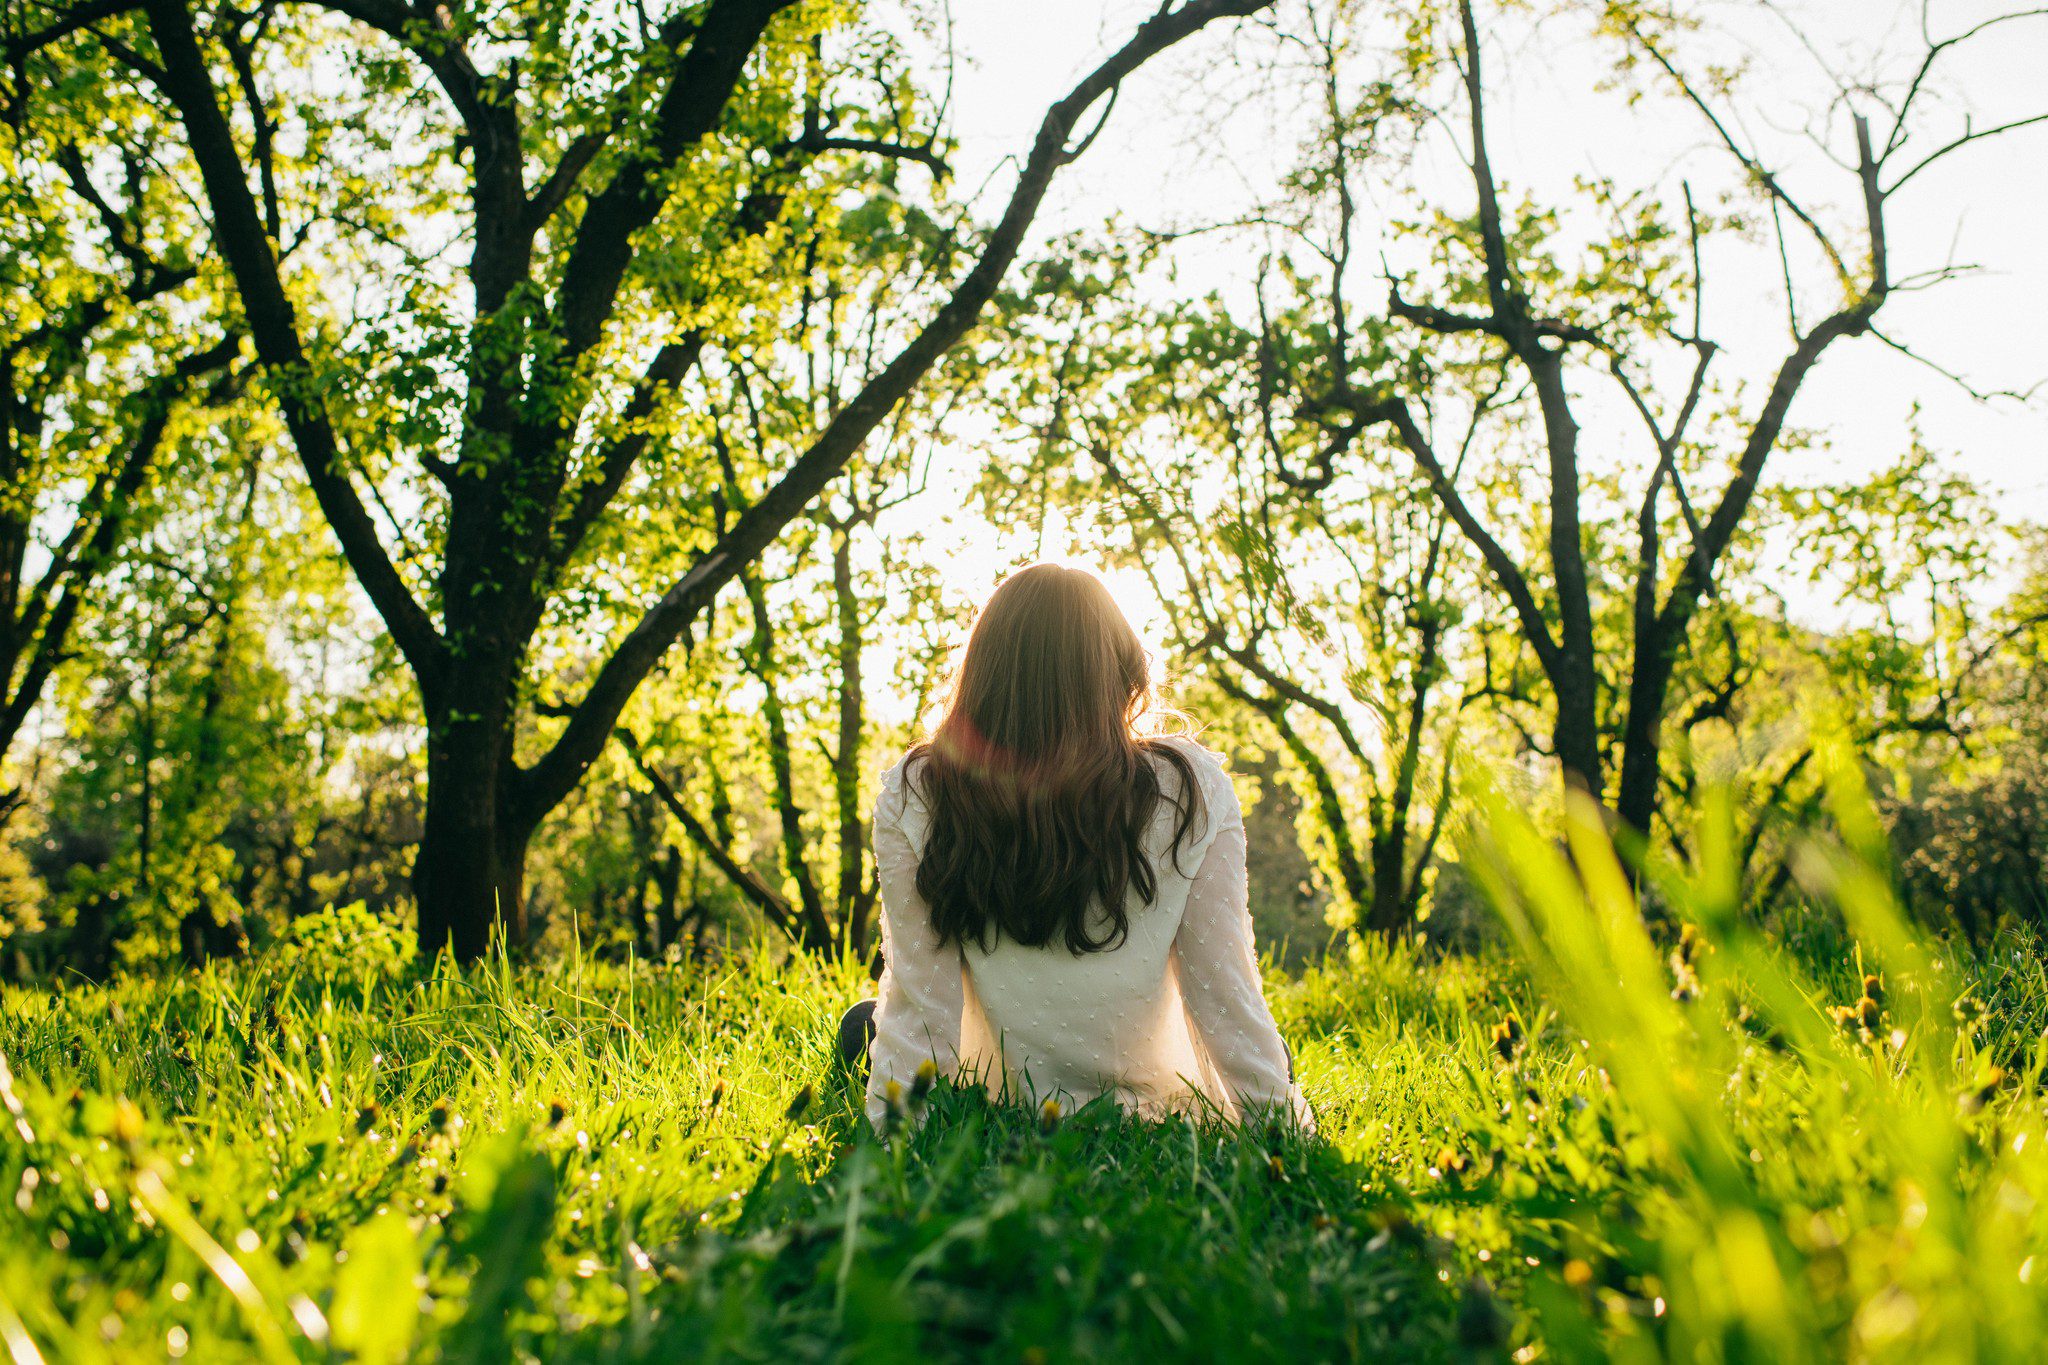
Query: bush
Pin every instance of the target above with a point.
(1975, 852)
(347, 944)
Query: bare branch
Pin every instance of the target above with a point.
(1768, 182)
(926, 154)
(1968, 136)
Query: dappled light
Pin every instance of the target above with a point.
(1224, 680)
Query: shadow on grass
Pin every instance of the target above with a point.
(988, 1234)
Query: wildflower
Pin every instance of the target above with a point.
(798, 1104)
(127, 1122)
(558, 1109)
(1507, 1038)
(1577, 1273)
(1049, 1116)
(1448, 1162)
(1861, 1018)
(366, 1117)
(1969, 1011)
(1685, 982)
(927, 1077)
(1688, 944)
(1985, 1091)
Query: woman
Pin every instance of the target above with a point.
(1063, 897)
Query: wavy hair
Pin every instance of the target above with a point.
(1039, 785)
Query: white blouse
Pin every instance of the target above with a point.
(1173, 1019)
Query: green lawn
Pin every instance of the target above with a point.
(589, 1162)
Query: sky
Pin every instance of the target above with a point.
(1184, 146)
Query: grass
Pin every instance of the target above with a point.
(1557, 1159)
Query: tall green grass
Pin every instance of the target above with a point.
(1600, 1144)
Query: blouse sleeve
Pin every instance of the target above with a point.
(918, 1014)
(1219, 976)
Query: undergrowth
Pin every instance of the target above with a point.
(1603, 1144)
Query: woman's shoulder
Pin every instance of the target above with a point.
(899, 787)
(1200, 756)
(1211, 772)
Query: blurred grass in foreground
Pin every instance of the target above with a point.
(1701, 1146)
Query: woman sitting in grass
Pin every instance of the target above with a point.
(1064, 910)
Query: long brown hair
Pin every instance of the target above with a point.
(1040, 787)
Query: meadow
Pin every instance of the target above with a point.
(1589, 1141)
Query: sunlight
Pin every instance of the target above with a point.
(983, 554)
(1571, 476)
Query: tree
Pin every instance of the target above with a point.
(840, 589)
(1332, 616)
(1925, 673)
(635, 194)
(97, 362)
(1504, 291)
(227, 756)
(797, 723)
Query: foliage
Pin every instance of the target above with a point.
(345, 945)
(648, 201)
(1731, 1152)
(1330, 623)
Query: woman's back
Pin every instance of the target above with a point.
(1168, 1017)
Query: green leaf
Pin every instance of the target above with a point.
(376, 1307)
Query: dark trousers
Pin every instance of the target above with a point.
(856, 1031)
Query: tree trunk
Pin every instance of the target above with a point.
(1576, 733)
(469, 876)
(846, 758)
(1388, 914)
(1354, 883)
(1642, 741)
(1642, 754)
(668, 879)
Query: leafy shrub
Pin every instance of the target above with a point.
(346, 943)
(1975, 852)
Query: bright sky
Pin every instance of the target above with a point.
(1547, 126)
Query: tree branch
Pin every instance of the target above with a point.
(77, 19)
(689, 111)
(926, 155)
(583, 738)
(1394, 412)
(1854, 320)
(743, 878)
(239, 234)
